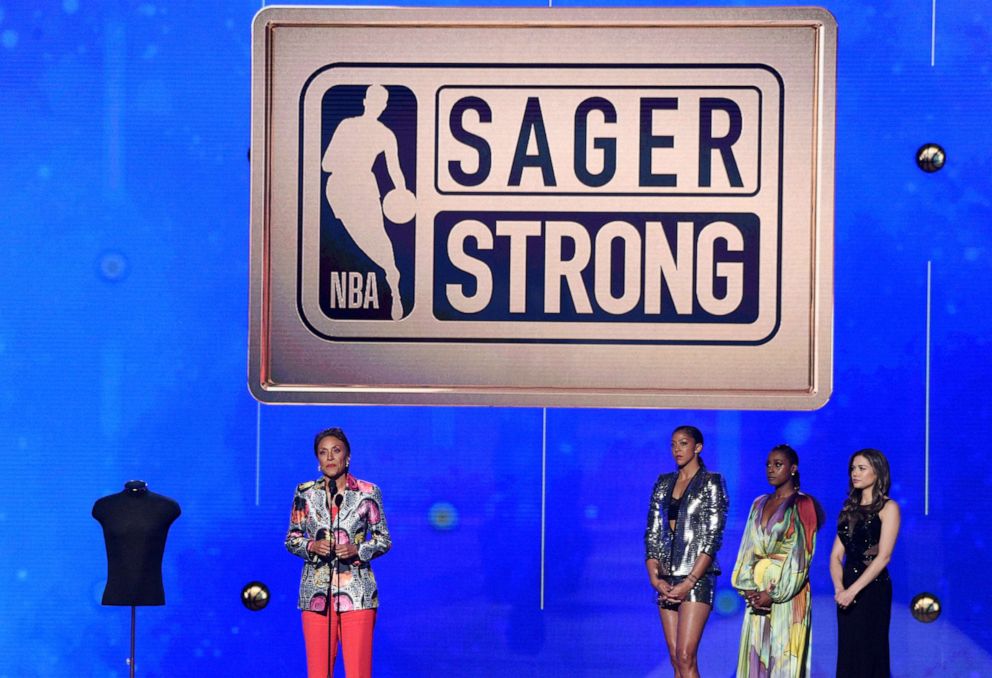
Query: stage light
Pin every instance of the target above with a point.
(255, 595)
(727, 602)
(112, 266)
(930, 157)
(443, 516)
(925, 607)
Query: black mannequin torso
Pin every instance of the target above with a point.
(135, 524)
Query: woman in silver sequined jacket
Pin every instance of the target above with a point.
(684, 532)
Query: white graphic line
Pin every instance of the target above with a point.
(926, 415)
(258, 450)
(933, 31)
(544, 469)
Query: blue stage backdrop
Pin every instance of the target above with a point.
(517, 532)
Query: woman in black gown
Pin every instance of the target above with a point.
(866, 533)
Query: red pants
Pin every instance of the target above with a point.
(355, 635)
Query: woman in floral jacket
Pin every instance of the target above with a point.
(337, 526)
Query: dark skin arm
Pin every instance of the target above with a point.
(657, 583)
(677, 593)
(760, 600)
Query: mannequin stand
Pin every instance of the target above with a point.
(135, 525)
(130, 660)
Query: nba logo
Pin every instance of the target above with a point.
(368, 201)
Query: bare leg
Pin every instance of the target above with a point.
(361, 217)
(670, 624)
(372, 239)
(393, 281)
(692, 619)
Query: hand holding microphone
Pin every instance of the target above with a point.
(321, 545)
(346, 550)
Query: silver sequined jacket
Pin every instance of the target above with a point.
(699, 528)
(361, 522)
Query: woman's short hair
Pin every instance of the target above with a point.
(331, 432)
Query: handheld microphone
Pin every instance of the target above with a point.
(338, 500)
(332, 561)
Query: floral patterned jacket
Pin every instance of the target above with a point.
(361, 522)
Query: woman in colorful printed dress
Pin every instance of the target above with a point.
(686, 517)
(337, 526)
(772, 573)
(866, 534)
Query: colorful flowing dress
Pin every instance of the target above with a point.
(777, 643)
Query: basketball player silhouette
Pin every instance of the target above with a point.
(353, 193)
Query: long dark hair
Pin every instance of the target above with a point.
(793, 459)
(879, 491)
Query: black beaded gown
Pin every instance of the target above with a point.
(863, 628)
